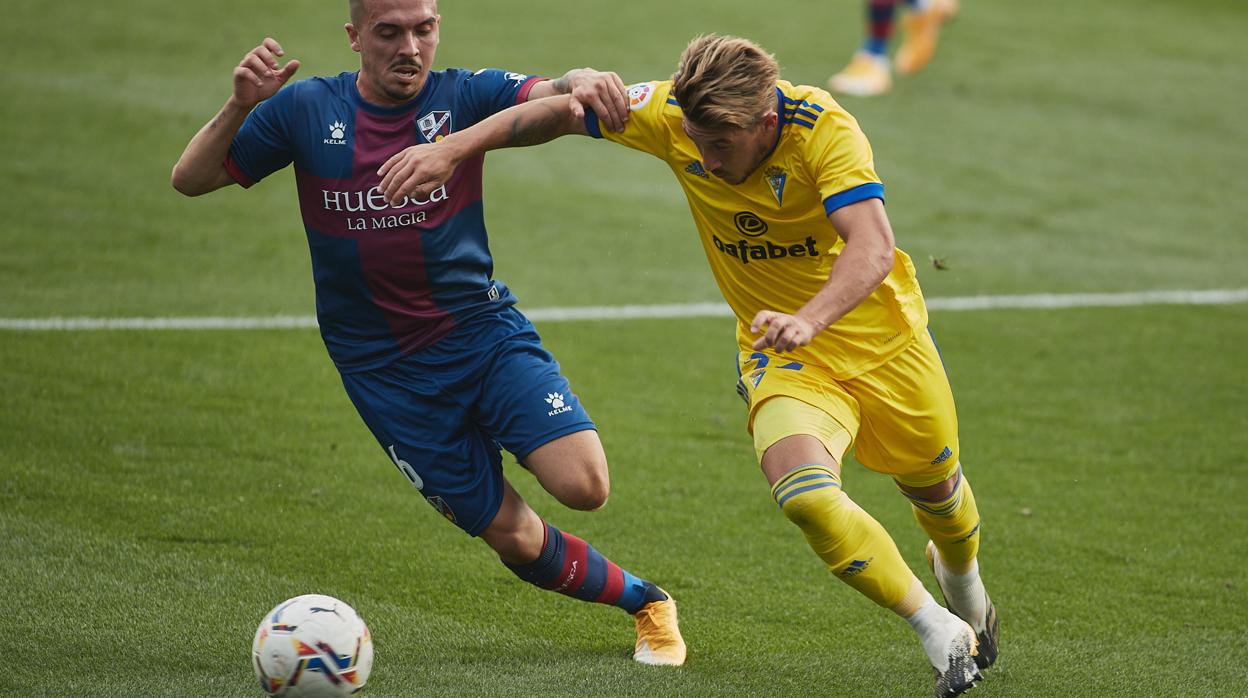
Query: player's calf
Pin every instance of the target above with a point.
(570, 566)
(947, 512)
(854, 546)
(546, 557)
(860, 553)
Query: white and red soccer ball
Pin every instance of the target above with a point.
(312, 646)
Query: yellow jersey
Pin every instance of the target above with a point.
(768, 240)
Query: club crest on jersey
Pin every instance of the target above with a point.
(776, 178)
(337, 134)
(435, 125)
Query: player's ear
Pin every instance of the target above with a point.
(353, 35)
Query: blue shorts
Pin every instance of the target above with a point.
(442, 413)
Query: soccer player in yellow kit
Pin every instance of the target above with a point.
(831, 324)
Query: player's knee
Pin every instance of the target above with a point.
(592, 488)
(590, 501)
(810, 494)
(573, 468)
(933, 493)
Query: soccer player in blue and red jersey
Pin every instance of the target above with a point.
(440, 365)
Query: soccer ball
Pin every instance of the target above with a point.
(312, 646)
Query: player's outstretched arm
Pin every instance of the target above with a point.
(605, 93)
(257, 77)
(861, 267)
(420, 169)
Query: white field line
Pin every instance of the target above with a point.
(1043, 301)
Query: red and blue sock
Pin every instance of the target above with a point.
(574, 568)
(879, 26)
(880, 14)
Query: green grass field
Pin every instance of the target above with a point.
(160, 491)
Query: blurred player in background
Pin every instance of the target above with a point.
(439, 364)
(831, 324)
(868, 73)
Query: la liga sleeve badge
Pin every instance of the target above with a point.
(639, 95)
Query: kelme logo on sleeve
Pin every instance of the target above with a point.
(556, 401)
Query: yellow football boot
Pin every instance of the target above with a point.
(922, 33)
(867, 75)
(658, 634)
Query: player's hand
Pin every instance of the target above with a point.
(605, 93)
(784, 332)
(418, 169)
(258, 76)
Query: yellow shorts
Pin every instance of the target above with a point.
(900, 414)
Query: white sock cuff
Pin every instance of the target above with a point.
(928, 611)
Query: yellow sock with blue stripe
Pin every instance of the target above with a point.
(853, 545)
(953, 525)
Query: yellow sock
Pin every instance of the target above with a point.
(952, 524)
(855, 547)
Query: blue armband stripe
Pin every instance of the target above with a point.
(592, 125)
(862, 192)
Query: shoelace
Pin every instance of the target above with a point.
(647, 616)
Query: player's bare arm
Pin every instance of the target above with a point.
(420, 169)
(867, 258)
(258, 76)
(603, 92)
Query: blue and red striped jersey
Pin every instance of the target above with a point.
(390, 279)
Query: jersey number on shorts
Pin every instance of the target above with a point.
(407, 469)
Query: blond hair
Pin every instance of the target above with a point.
(725, 81)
